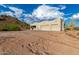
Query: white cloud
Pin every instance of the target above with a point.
(28, 18)
(62, 7)
(7, 13)
(75, 16)
(17, 12)
(26, 15)
(47, 12)
(31, 17)
(43, 12)
(3, 5)
(14, 11)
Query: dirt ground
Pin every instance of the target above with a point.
(39, 43)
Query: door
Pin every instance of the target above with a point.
(55, 27)
(45, 27)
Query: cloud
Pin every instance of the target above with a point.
(7, 13)
(62, 7)
(75, 16)
(47, 12)
(3, 5)
(41, 13)
(14, 11)
(30, 18)
(17, 12)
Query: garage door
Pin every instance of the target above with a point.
(45, 27)
(55, 28)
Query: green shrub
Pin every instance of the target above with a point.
(11, 27)
(67, 28)
(4, 26)
(4, 29)
(27, 26)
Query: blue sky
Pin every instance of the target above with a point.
(42, 12)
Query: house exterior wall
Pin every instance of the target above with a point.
(58, 25)
(45, 27)
(55, 25)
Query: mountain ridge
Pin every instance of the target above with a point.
(6, 21)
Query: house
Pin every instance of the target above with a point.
(54, 25)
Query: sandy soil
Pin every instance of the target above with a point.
(39, 43)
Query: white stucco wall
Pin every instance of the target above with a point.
(55, 25)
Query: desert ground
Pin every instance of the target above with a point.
(39, 43)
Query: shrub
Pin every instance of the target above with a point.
(12, 27)
(67, 28)
(9, 27)
(4, 30)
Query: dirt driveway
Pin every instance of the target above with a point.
(38, 43)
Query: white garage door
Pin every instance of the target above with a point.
(45, 27)
(55, 28)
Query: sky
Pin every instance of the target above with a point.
(31, 13)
